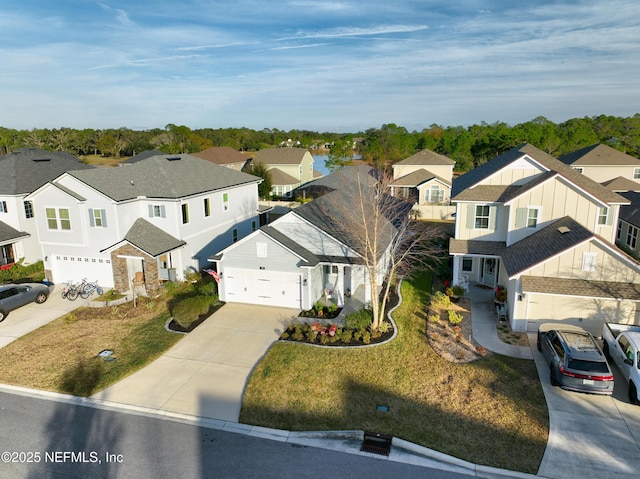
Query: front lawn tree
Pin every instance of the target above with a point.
(379, 228)
(260, 170)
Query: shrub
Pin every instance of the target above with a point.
(366, 337)
(440, 299)
(384, 327)
(311, 335)
(454, 318)
(208, 289)
(359, 320)
(189, 310)
(333, 307)
(319, 306)
(298, 335)
(33, 272)
(433, 318)
(325, 339)
(284, 335)
(347, 335)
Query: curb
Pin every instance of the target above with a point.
(342, 441)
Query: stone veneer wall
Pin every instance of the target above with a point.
(121, 279)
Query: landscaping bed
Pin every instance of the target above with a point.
(446, 406)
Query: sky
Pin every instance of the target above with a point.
(334, 65)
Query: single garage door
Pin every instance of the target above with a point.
(269, 288)
(75, 268)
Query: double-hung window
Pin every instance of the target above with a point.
(588, 262)
(28, 209)
(636, 173)
(225, 201)
(603, 215)
(532, 217)
(97, 218)
(632, 236)
(3, 207)
(58, 218)
(157, 211)
(482, 217)
(185, 213)
(207, 207)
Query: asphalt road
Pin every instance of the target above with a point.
(49, 439)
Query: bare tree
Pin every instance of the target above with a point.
(364, 216)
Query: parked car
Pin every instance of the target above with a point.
(576, 362)
(12, 296)
(622, 344)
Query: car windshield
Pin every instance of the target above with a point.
(591, 366)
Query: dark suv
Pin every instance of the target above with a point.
(575, 360)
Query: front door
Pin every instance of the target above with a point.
(490, 271)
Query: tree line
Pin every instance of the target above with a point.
(467, 146)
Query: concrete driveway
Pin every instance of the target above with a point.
(205, 373)
(589, 436)
(32, 316)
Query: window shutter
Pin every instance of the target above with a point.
(471, 216)
(521, 217)
(609, 216)
(103, 214)
(150, 211)
(162, 212)
(91, 219)
(493, 217)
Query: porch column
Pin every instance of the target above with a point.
(456, 268)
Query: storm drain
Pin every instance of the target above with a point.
(376, 443)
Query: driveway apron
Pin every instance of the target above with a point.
(32, 316)
(205, 373)
(590, 435)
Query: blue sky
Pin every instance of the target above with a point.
(335, 65)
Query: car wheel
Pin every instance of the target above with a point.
(41, 298)
(633, 394)
(605, 350)
(2, 315)
(552, 377)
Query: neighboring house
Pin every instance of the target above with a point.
(423, 178)
(530, 223)
(298, 258)
(162, 216)
(337, 180)
(24, 171)
(225, 156)
(602, 163)
(143, 155)
(629, 224)
(620, 184)
(289, 167)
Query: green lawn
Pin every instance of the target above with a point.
(489, 412)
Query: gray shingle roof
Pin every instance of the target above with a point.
(222, 155)
(27, 169)
(418, 177)
(279, 177)
(476, 247)
(280, 156)
(476, 175)
(544, 244)
(143, 155)
(10, 234)
(599, 155)
(150, 239)
(631, 213)
(163, 176)
(339, 178)
(426, 157)
(581, 287)
(621, 184)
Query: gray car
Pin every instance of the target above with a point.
(12, 296)
(575, 359)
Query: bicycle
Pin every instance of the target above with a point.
(70, 291)
(87, 289)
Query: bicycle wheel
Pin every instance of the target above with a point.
(86, 292)
(72, 294)
(64, 294)
(100, 291)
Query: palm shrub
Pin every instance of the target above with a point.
(358, 320)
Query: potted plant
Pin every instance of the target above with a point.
(454, 293)
(501, 294)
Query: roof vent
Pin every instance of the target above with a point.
(39, 160)
(563, 229)
(173, 158)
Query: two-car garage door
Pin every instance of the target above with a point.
(269, 288)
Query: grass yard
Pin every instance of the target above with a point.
(62, 355)
(491, 411)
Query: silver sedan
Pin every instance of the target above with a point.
(13, 296)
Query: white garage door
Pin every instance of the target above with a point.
(75, 268)
(270, 288)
